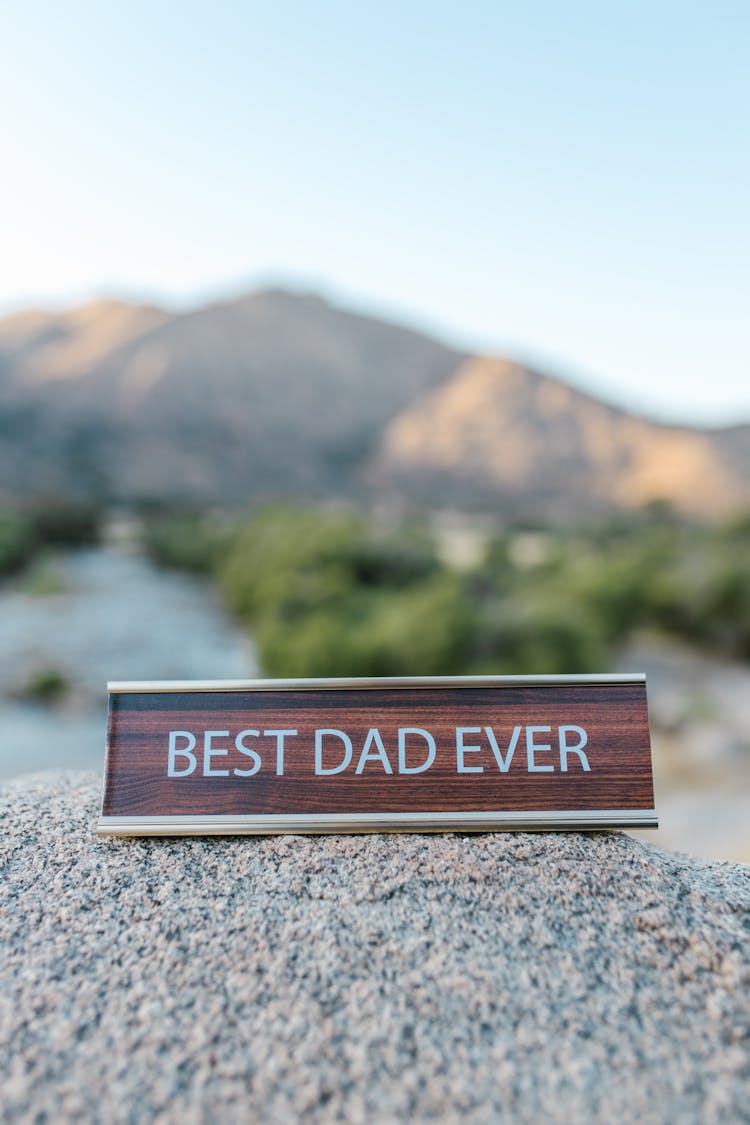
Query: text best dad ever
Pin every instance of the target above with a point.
(332, 752)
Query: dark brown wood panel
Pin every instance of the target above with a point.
(613, 716)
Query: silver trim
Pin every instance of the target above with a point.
(121, 687)
(312, 823)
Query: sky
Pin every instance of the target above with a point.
(567, 183)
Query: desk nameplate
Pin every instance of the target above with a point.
(442, 754)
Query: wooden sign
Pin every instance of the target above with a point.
(468, 754)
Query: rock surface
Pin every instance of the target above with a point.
(504, 978)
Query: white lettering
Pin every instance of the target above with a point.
(184, 752)
(503, 762)
(425, 765)
(248, 752)
(320, 770)
(461, 766)
(373, 738)
(210, 752)
(531, 749)
(577, 749)
(280, 735)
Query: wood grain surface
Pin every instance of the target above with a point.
(613, 715)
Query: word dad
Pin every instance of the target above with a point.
(333, 751)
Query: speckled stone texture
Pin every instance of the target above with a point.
(503, 978)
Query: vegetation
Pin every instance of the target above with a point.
(184, 540)
(595, 586)
(66, 524)
(329, 594)
(16, 542)
(27, 533)
(47, 685)
(44, 577)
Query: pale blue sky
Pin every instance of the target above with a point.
(568, 182)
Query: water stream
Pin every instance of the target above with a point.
(101, 614)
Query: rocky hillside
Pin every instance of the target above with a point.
(269, 394)
(498, 431)
(282, 395)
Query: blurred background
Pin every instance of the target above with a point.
(374, 340)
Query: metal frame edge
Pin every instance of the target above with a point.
(122, 687)
(322, 823)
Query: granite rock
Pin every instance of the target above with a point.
(505, 978)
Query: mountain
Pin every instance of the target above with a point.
(43, 346)
(733, 443)
(275, 394)
(270, 394)
(498, 432)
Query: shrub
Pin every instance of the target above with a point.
(328, 595)
(185, 541)
(66, 524)
(17, 542)
(331, 594)
(46, 685)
